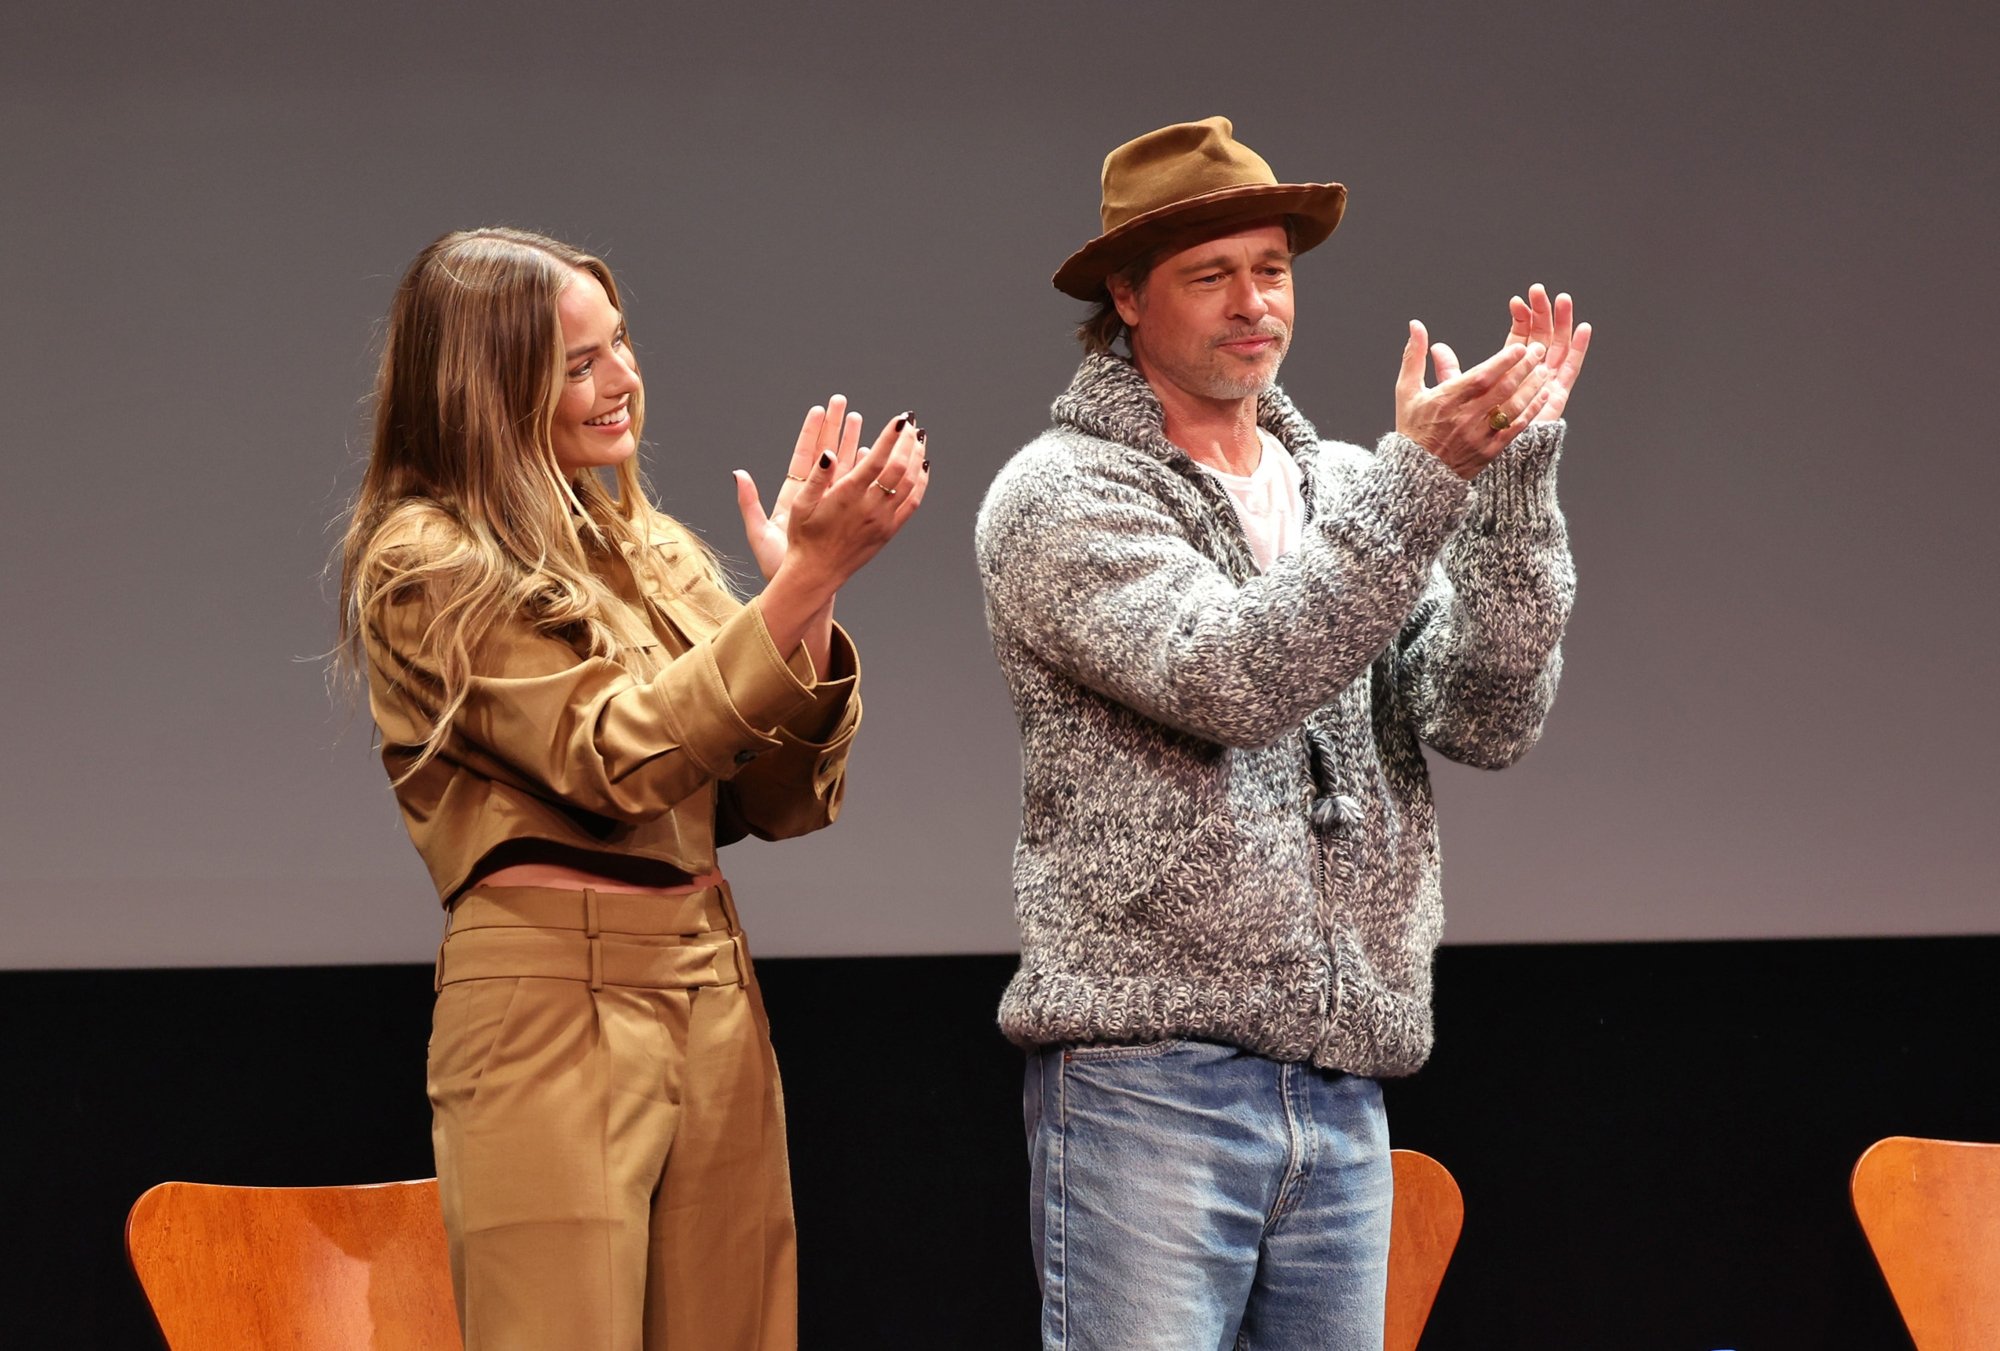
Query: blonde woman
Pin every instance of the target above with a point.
(575, 713)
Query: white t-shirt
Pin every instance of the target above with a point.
(1268, 501)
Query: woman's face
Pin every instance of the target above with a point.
(600, 380)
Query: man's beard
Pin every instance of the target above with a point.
(1227, 383)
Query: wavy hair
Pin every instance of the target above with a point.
(463, 508)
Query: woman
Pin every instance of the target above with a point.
(575, 713)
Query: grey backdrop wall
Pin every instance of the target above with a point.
(1777, 716)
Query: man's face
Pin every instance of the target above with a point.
(1214, 319)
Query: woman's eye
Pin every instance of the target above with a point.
(580, 371)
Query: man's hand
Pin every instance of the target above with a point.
(1553, 325)
(1456, 419)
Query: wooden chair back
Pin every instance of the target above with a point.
(1423, 1230)
(1931, 1211)
(304, 1268)
(339, 1268)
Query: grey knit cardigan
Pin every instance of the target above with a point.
(1227, 830)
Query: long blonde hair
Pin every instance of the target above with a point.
(463, 506)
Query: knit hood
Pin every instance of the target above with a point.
(1111, 400)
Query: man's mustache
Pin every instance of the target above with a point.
(1270, 328)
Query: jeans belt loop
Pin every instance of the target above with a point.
(590, 932)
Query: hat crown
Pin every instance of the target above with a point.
(1175, 164)
(1192, 176)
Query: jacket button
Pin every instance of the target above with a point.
(745, 757)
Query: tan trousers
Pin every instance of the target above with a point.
(609, 1126)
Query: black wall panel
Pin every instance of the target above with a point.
(1653, 1140)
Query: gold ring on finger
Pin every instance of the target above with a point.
(884, 487)
(1499, 419)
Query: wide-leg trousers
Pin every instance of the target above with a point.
(609, 1126)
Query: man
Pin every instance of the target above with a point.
(1226, 642)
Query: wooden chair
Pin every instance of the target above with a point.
(1931, 1211)
(340, 1268)
(303, 1268)
(1423, 1230)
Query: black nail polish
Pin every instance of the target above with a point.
(927, 464)
(921, 435)
(826, 459)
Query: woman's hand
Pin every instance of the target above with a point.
(831, 427)
(847, 508)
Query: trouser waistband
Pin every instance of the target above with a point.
(601, 937)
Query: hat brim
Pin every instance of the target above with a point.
(1315, 207)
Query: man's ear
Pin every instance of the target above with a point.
(1124, 298)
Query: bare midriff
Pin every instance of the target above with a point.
(578, 879)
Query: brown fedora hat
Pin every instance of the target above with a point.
(1192, 175)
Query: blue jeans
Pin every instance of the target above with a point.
(1186, 1196)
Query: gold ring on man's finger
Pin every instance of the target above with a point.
(1499, 419)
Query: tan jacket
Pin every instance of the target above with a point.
(551, 745)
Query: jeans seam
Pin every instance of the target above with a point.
(1297, 1169)
(1087, 1054)
(1058, 1245)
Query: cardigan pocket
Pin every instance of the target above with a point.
(1177, 895)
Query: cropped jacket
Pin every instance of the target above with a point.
(555, 747)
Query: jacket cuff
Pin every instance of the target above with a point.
(828, 720)
(1518, 490)
(745, 691)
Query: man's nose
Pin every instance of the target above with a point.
(1246, 298)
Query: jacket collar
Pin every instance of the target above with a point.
(1110, 400)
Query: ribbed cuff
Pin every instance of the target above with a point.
(1518, 491)
(1417, 497)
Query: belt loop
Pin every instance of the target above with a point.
(739, 951)
(437, 967)
(590, 932)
